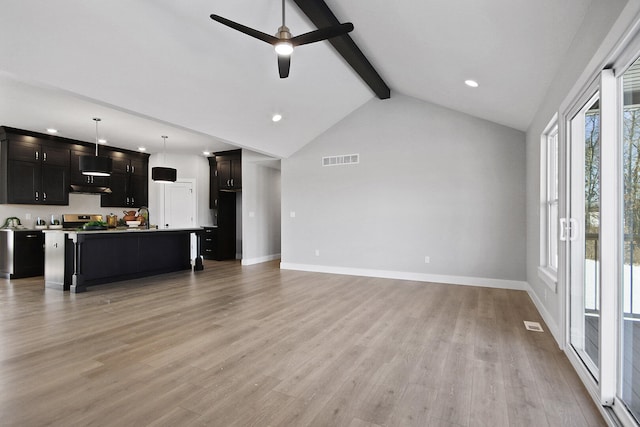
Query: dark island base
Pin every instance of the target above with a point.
(97, 258)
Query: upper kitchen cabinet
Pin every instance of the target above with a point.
(129, 180)
(33, 170)
(229, 170)
(213, 184)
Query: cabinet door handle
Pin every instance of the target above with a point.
(31, 236)
(232, 182)
(37, 196)
(44, 156)
(133, 169)
(37, 155)
(44, 196)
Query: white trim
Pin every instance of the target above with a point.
(590, 385)
(259, 260)
(549, 277)
(406, 275)
(610, 234)
(547, 317)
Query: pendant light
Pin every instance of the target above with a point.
(95, 165)
(161, 174)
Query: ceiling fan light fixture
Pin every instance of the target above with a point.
(471, 83)
(284, 48)
(276, 118)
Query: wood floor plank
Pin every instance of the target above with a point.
(255, 345)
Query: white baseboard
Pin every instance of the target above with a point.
(258, 260)
(548, 319)
(418, 277)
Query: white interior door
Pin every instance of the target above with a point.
(180, 207)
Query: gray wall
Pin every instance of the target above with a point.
(430, 182)
(260, 208)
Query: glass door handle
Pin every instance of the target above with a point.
(573, 229)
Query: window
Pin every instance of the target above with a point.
(549, 205)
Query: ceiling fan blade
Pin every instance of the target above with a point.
(244, 29)
(322, 34)
(284, 63)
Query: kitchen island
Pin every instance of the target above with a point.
(76, 259)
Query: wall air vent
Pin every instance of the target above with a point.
(345, 159)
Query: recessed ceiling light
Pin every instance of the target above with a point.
(206, 153)
(102, 141)
(142, 149)
(471, 83)
(276, 117)
(52, 130)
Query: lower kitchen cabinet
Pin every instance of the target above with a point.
(208, 243)
(21, 253)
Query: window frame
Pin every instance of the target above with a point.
(549, 198)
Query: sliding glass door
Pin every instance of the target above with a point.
(629, 315)
(583, 232)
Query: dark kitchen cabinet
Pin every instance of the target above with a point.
(208, 243)
(213, 184)
(226, 231)
(225, 182)
(34, 171)
(128, 181)
(229, 170)
(22, 253)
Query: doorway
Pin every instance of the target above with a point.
(180, 208)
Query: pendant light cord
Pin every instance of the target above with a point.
(96, 120)
(283, 13)
(164, 150)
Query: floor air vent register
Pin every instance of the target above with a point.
(533, 326)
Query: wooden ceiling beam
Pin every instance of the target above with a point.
(321, 16)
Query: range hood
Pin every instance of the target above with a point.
(89, 189)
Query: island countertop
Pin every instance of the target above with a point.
(122, 230)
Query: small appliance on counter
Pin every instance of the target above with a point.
(55, 222)
(41, 224)
(12, 222)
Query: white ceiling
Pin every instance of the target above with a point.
(160, 67)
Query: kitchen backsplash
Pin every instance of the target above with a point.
(78, 203)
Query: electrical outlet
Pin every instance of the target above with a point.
(427, 259)
(27, 216)
(317, 252)
(292, 214)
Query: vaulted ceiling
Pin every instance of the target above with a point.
(162, 67)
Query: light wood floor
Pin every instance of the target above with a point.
(242, 346)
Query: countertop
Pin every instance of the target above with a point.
(22, 229)
(123, 230)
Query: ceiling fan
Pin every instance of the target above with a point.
(284, 42)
